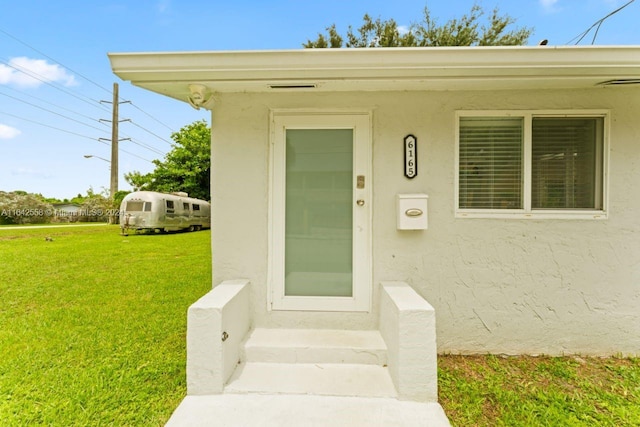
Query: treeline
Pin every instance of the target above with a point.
(20, 207)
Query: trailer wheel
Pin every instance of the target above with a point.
(191, 228)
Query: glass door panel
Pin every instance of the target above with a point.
(320, 219)
(319, 213)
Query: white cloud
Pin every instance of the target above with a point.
(163, 5)
(403, 29)
(549, 5)
(27, 72)
(7, 132)
(30, 172)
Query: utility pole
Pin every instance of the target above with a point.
(113, 189)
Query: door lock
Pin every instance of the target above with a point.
(360, 202)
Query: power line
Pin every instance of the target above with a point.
(37, 76)
(42, 79)
(51, 111)
(47, 126)
(141, 144)
(71, 133)
(148, 131)
(24, 94)
(153, 118)
(597, 25)
(32, 74)
(135, 155)
(52, 59)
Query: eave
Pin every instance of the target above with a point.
(336, 70)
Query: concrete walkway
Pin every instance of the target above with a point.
(287, 410)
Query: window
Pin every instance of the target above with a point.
(147, 206)
(169, 204)
(196, 207)
(566, 153)
(536, 164)
(185, 206)
(134, 206)
(490, 166)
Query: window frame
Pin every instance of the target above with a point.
(527, 212)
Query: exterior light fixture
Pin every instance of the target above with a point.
(200, 96)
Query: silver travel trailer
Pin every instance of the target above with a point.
(158, 212)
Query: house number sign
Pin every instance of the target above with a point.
(410, 156)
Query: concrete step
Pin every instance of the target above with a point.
(322, 379)
(286, 410)
(315, 346)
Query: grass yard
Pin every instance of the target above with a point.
(92, 332)
(93, 324)
(540, 391)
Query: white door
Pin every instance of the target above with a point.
(321, 212)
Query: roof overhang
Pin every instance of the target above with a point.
(381, 69)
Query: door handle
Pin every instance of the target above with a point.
(360, 202)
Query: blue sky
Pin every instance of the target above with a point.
(48, 124)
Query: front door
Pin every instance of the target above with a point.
(321, 212)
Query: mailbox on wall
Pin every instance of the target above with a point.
(412, 211)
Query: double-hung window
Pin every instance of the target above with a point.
(531, 164)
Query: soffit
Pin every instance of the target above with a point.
(336, 70)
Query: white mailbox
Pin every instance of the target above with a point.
(412, 211)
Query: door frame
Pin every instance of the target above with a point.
(360, 122)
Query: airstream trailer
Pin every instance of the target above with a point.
(150, 211)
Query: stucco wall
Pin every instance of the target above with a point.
(497, 285)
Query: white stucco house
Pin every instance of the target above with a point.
(69, 212)
(350, 187)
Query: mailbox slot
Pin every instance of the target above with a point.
(411, 211)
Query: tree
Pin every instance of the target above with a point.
(19, 207)
(117, 198)
(465, 31)
(185, 168)
(95, 207)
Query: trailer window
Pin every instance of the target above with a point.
(169, 206)
(134, 206)
(185, 206)
(147, 206)
(196, 207)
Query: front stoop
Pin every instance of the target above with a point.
(311, 361)
(296, 410)
(321, 379)
(310, 377)
(314, 346)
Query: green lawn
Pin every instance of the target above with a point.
(540, 391)
(92, 332)
(93, 324)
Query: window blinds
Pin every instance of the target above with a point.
(490, 163)
(565, 154)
